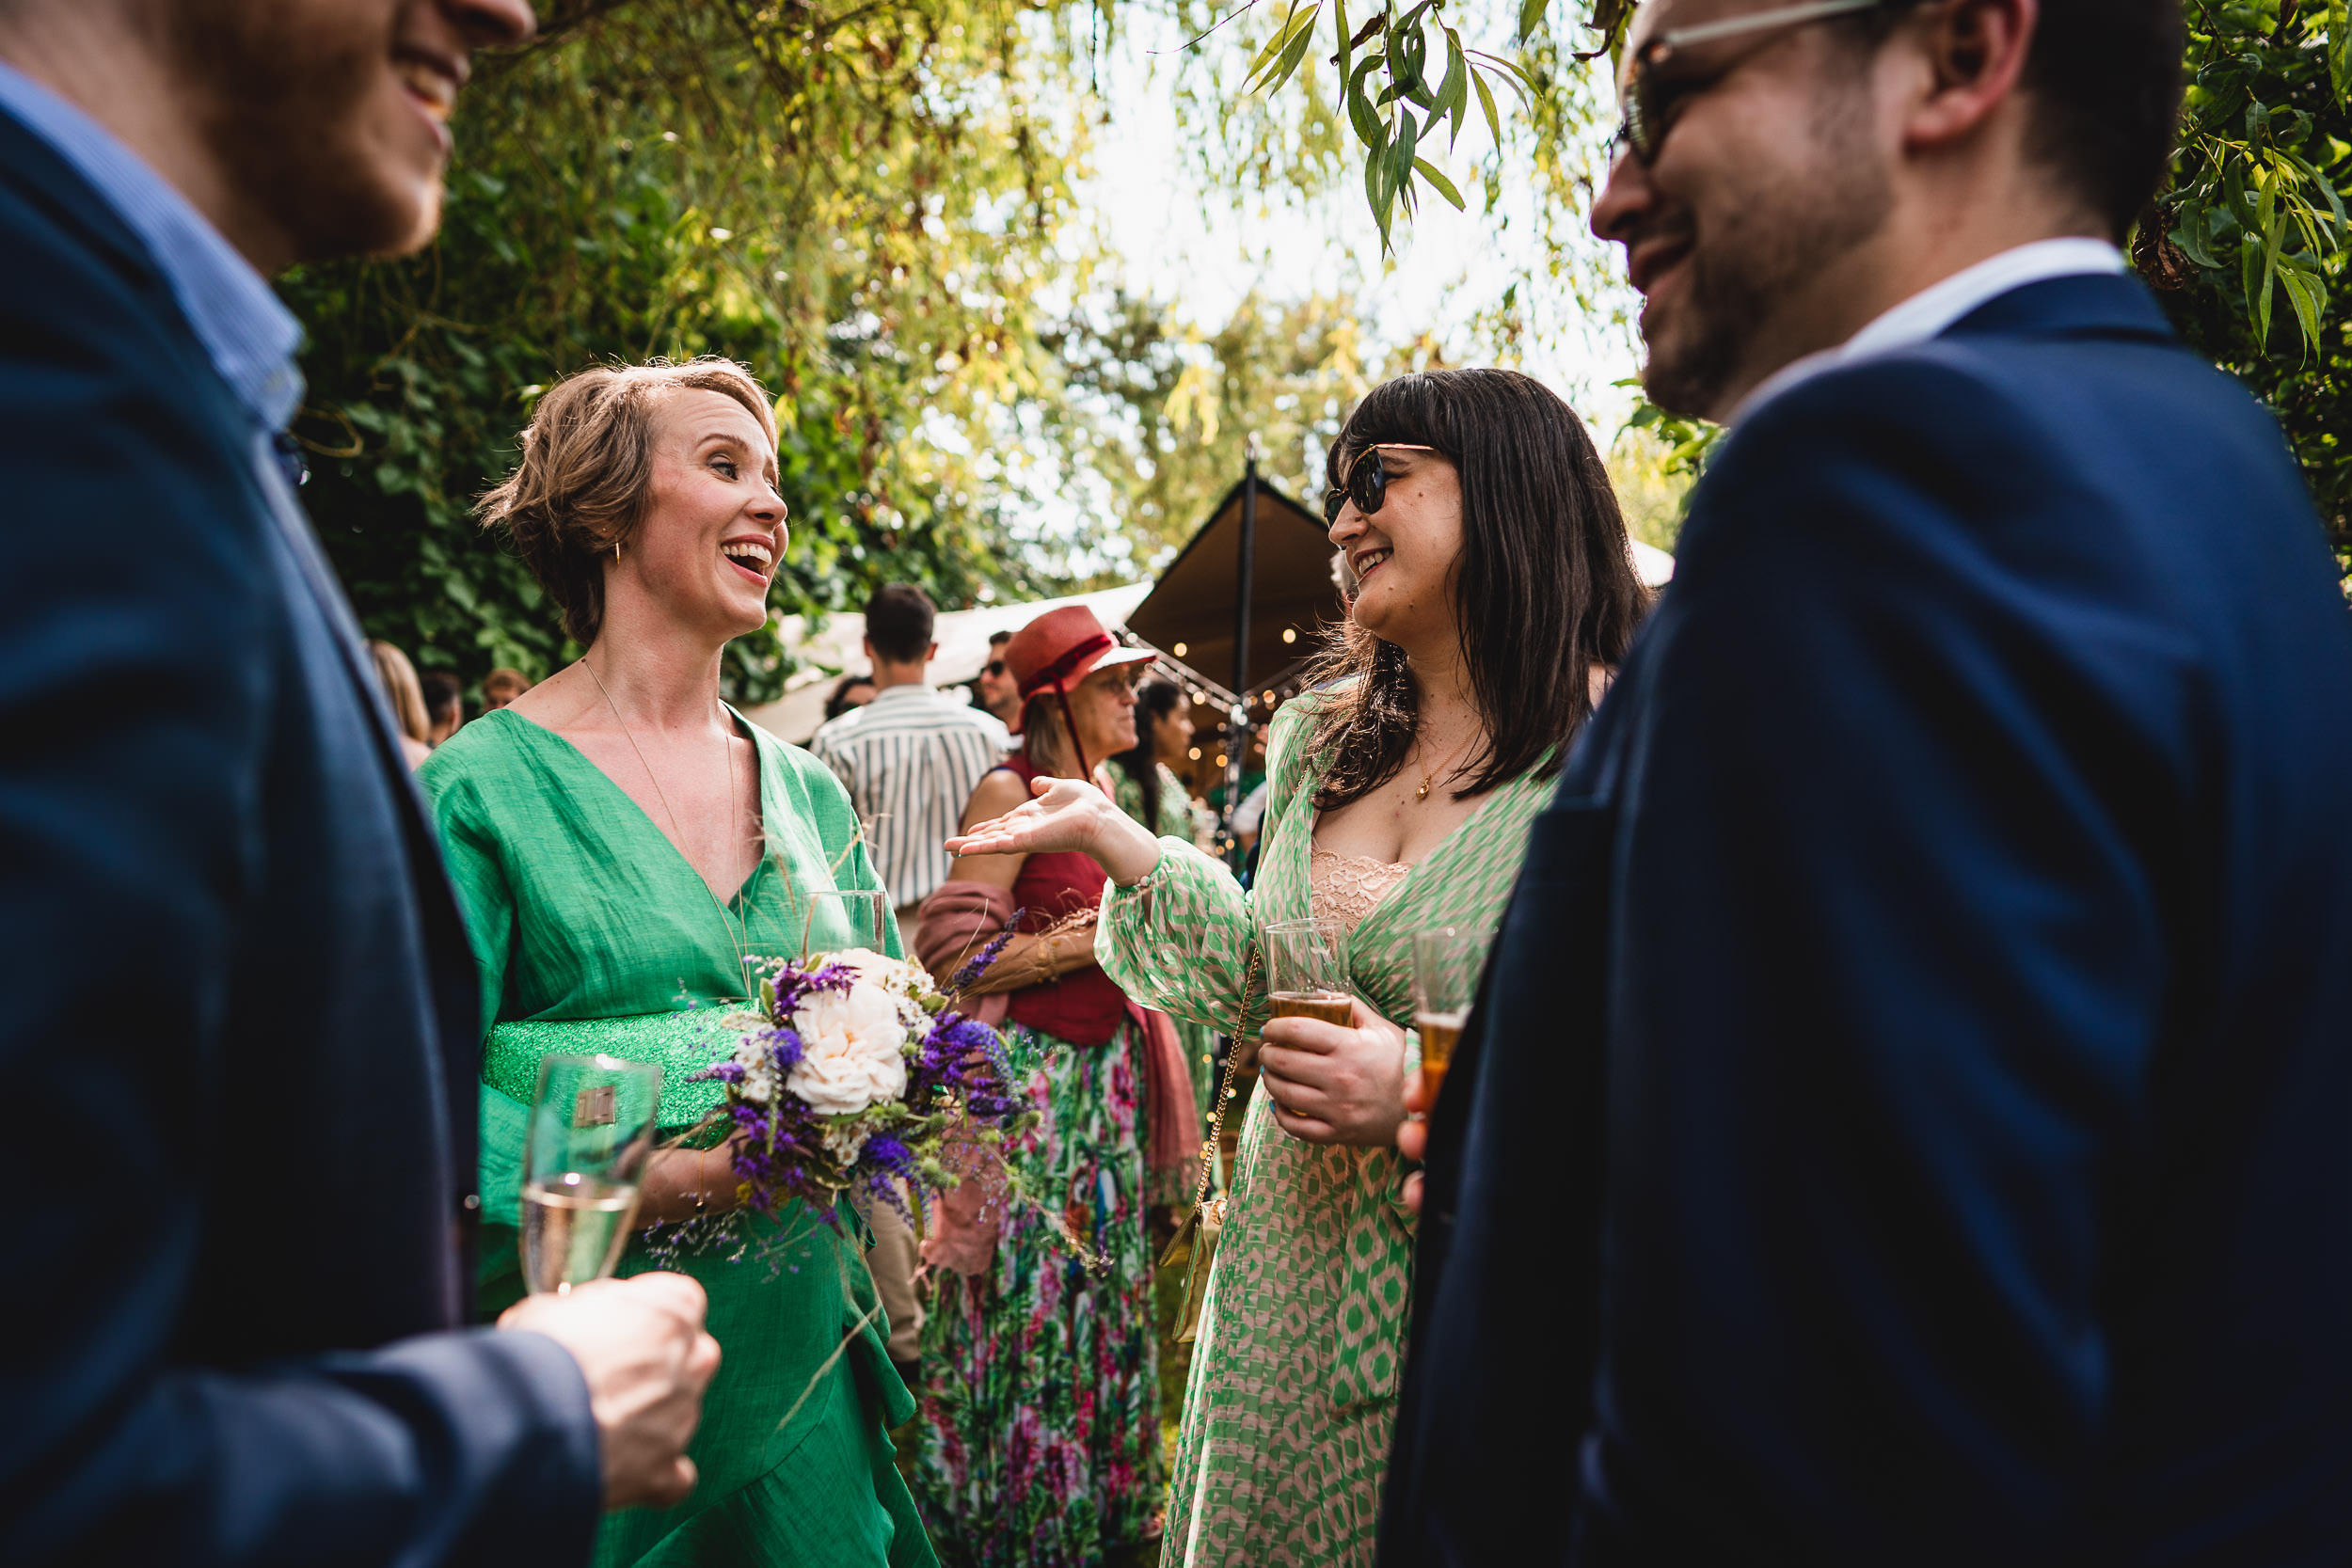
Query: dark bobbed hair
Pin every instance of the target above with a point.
(1544, 589)
(1155, 700)
(443, 694)
(899, 622)
(837, 699)
(2103, 86)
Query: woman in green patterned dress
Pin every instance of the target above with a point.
(1149, 791)
(1494, 588)
(620, 840)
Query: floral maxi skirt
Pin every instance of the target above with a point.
(1040, 1442)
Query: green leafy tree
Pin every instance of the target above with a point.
(2246, 245)
(865, 206)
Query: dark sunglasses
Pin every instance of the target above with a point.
(1366, 485)
(995, 666)
(1650, 100)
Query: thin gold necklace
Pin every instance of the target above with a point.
(738, 932)
(1423, 792)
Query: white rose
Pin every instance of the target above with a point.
(850, 1051)
(895, 975)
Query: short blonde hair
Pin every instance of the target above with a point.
(398, 677)
(587, 469)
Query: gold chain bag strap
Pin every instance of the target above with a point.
(1194, 1249)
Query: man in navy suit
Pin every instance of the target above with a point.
(237, 1011)
(1917, 1066)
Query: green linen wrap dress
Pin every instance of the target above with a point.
(1292, 1398)
(593, 933)
(1199, 1040)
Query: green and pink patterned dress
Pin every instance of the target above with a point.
(1293, 1395)
(1040, 1443)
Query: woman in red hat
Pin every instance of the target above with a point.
(1040, 1438)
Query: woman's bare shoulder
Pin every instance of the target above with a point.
(1000, 791)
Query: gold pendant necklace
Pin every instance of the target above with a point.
(1423, 792)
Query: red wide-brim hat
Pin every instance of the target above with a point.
(1060, 648)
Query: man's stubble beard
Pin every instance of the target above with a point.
(280, 87)
(1758, 255)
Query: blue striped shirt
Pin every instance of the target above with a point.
(908, 760)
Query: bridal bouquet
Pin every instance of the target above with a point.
(856, 1071)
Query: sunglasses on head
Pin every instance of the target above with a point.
(1366, 485)
(1651, 97)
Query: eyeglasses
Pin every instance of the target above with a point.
(1649, 100)
(1367, 486)
(995, 666)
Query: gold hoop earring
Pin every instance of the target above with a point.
(616, 550)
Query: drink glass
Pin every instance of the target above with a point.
(836, 920)
(1447, 963)
(1304, 976)
(592, 1129)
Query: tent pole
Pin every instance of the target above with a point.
(1237, 728)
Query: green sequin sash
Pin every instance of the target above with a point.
(681, 1043)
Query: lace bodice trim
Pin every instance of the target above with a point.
(1344, 889)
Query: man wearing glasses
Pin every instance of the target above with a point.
(1915, 1063)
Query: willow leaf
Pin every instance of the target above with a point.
(1486, 102)
(1430, 172)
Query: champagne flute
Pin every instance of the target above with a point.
(836, 920)
(1304, 976)
(1447, 963)
(592, 1129)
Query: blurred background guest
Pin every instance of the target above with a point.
(398, 677)
(1149, 791)
(619, 835)
(1040, 1434)
(909, 755)
(1495, 590)
(444, 705)
(503, 685)
(851, 692)
(909, 759)
(993, 690)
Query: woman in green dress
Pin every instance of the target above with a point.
(1494, 588)
(1149, 791)
(621, 841)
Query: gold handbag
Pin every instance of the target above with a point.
(1194, 1247)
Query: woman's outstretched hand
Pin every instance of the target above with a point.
(1065, 815)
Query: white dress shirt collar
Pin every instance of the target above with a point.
(1936, 307)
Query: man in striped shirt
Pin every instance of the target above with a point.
(911, 756)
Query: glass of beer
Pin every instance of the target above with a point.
(1447, 962)
(1304, 976)
(592, 1129)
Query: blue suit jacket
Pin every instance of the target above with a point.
(237, 1015)
(1913, 1087)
